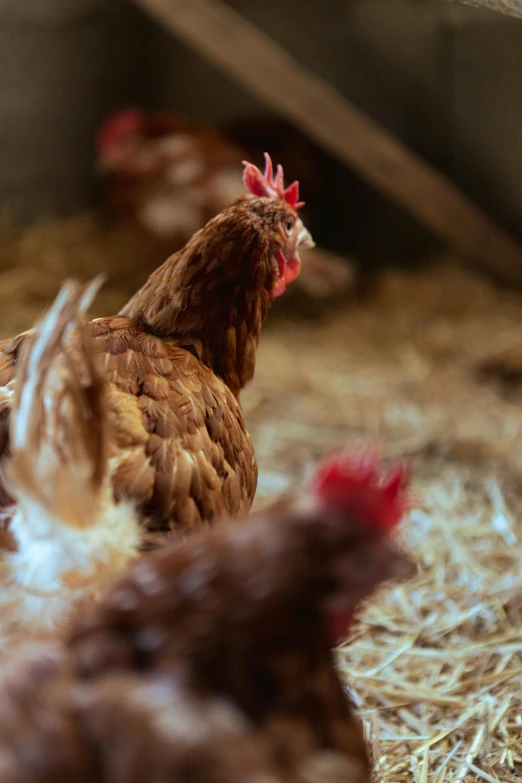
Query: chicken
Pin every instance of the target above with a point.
(211, 660)
(178, 354)
(168, 175)
(325, 274)
(67, 539)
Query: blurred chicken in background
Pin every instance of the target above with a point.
(65, 538)
(211, 661)
(168, 175)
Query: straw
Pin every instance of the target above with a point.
(431, 363)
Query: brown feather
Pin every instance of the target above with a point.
(217, 292)
(53, 408)
(209, 662)
(175, 359)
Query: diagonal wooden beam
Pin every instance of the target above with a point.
(508, 7)
(254, 60)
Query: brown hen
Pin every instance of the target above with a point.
(169, 174)
(211, 661)
(178, 354)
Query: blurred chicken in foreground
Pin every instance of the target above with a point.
(178, 354)
(169, 175)
(211, 660)
(67, 539)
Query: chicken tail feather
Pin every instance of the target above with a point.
(58, 427)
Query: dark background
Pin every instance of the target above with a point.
(446, 79)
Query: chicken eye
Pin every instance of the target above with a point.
(288, 225)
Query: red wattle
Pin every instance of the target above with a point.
(293, 267)
(280, 285)
(288, 271)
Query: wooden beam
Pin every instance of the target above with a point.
(508, 7)
(255, 61)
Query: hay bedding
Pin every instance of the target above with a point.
(431, 364)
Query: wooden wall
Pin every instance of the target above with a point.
(63, 65)
(446, 79)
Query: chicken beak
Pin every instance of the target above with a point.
(304, 239)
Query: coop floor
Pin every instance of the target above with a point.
(431, 365)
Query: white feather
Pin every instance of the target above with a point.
(34, 595)
(72, 539)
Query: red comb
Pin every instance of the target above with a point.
(267, 185)
(352, 483)
(118, 126)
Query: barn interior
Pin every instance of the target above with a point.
(410, 113)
